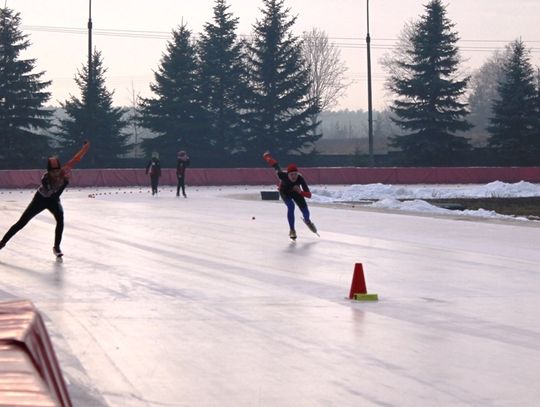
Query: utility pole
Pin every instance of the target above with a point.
(90, 86)
(370, 93)
(90, 42)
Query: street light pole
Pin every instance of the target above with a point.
(90, 79)
(370, 93)
(89, 42)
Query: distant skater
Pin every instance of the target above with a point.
(181, 164)
(154, 169)
(293, 190)
(53, 183)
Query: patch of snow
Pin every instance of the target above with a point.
(411, 198)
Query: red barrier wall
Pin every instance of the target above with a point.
(266, 176)
(30, 374)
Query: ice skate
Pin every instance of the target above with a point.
(311, 226)
(57, 252)
(292, 234)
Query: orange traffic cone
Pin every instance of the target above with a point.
(358, 286)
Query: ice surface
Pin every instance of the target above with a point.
(165, 301)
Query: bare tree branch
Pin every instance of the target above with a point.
(326, 68)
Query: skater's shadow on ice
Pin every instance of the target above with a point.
(54, 278)
(58, 271)
(298, 247)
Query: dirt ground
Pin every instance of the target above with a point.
(526, 207)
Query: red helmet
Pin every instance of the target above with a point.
(292, 168)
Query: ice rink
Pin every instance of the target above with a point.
(165, 301)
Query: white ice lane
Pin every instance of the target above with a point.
(205, 302)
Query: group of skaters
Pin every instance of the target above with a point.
(293, 190)
(153, 168)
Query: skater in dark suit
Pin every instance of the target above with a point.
(154, 169)
(181, 164)
(293, 190)
(53, 183)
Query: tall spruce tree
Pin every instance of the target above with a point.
(536, 147)
(224, 82)
(22, 96)
(92, 117)
(176, 115)
(513, 128)
(428, 106)
(279, 107)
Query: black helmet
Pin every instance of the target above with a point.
(53, 163)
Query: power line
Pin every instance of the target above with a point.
(338, 41)
(461, 40)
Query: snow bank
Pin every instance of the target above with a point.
(390, 196)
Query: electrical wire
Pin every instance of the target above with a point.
(339, 42)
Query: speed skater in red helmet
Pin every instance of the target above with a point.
(293, 189)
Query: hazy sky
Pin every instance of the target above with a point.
(132, 35)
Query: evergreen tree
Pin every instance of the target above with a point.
(537, 122)
(22, 96)
(514, 120)
(536, 137)
(279, 107)
(428, 106)
(224, 82)
(537, 98)
(93, 117)
(176, 115)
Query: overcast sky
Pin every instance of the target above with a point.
(132, 35)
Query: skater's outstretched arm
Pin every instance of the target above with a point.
(272, 162)
(66, 169)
